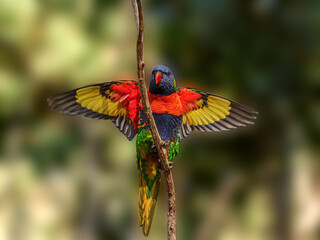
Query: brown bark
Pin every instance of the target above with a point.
(138, 12)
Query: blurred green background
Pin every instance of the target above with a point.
(65, 177)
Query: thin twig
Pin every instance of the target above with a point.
(138, 12)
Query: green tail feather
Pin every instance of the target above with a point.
(149, 168)
(147, 203)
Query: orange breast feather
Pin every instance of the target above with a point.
(165, 104)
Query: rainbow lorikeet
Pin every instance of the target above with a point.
(177, 111)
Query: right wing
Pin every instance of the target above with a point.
(209, 112)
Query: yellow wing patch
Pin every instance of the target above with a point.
(92, 99)
(211, 113)
(103, 101)
(216, 109)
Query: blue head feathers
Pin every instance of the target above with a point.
(162, 81)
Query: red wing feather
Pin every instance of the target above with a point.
(117, 101)
(208, 112)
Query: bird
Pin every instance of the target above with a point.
(177, 111)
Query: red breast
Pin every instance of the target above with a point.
(165, 104)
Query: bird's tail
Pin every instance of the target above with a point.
(148, 194)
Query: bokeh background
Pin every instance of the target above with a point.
(65, 177)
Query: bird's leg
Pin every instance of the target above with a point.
(164, 147)
(163, 144)
(153, 146)
(170, 164)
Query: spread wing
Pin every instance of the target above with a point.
(117, 101)
(208, 112)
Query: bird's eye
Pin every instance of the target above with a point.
(168, 74)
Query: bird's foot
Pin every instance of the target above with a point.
(153, 146)
(170, 165)
(163, 145)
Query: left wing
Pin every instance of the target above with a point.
(208, 112)
(117, 101)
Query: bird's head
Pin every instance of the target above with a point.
(162, 81)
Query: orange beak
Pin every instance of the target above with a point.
(158, 78)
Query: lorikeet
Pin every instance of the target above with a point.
(177, 111)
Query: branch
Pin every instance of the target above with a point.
(138, 12)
